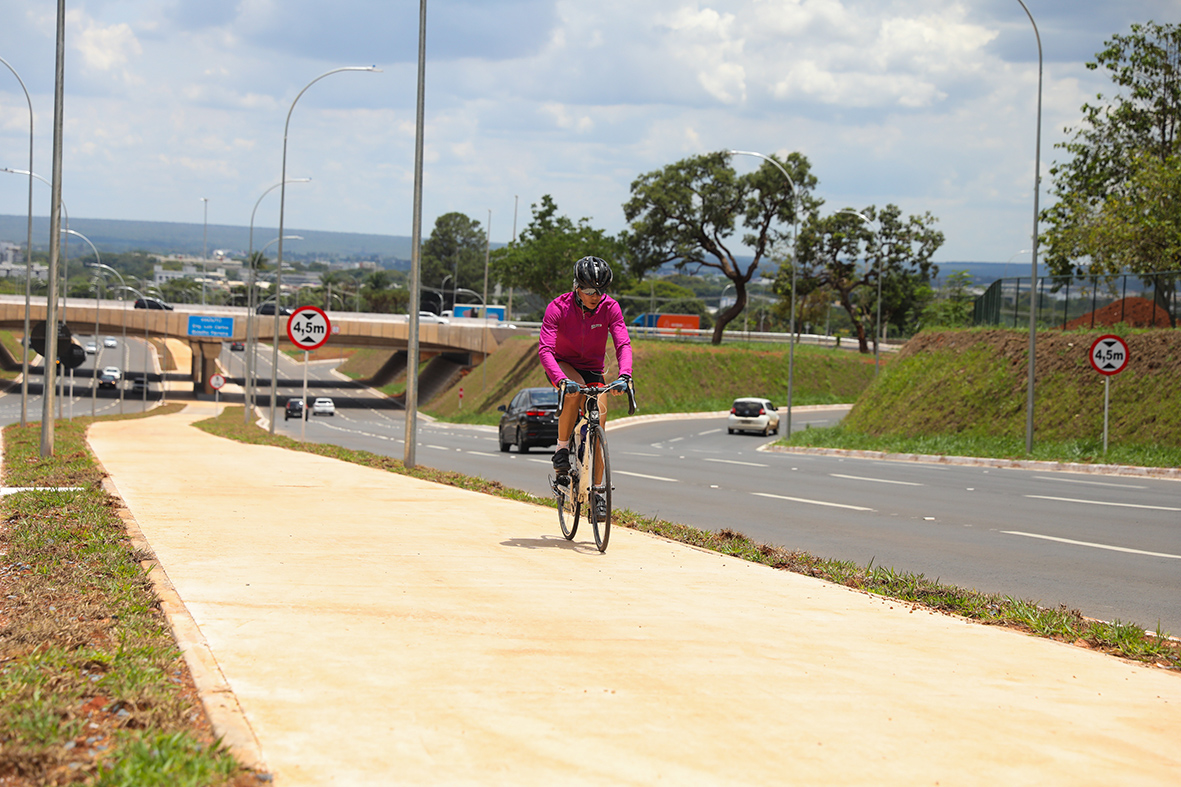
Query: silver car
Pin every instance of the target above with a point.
(752, 414)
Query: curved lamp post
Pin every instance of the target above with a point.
(28, 257)
(877, 336)
(109, 269)
(94, 378)
(1037, 180)
(251, 339)
(791, 351)
(147, 339)
(282, 205)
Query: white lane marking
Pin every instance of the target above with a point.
(649, 477)
(876, 480)
(636, 453)
(483, 453)
(708, 431)
(549, 462)
(812, 502)
(1089, 483)
(1103, 503)
(676, 439)
(1090, 544)
(733, 462)
(440, 447)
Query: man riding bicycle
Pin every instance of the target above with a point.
(573, 347)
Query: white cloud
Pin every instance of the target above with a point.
(104, 48)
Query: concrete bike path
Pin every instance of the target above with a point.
(366, 628)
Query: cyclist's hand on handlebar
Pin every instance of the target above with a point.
(621, 384)
(568, 387)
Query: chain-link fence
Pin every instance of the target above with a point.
(1069, 302)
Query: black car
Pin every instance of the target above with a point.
(269, 308)
(108, 380)
(237, 346)
(531, 419)
(151, 303)
(294, 409)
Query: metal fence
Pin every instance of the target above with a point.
(1068, 302)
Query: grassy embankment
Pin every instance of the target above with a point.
(964, 393)
(93, 688)
(670, 377)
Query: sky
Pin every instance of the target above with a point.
(927, 104)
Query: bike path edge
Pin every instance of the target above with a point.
(375, 629)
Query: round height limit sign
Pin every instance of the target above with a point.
(308, 327)
(1109, 357)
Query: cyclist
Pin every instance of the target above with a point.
(573, 349)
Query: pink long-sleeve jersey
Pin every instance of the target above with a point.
(580, 338)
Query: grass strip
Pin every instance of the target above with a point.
(1121, 639)
(93, 688)
(1083, 451)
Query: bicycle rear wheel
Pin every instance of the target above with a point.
(568, 509)
(601, 525)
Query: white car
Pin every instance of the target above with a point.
(91, 348)
(110, 342)
(751, 414)
(323, 406)
(114, 371)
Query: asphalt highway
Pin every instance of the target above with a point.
(1109, 546)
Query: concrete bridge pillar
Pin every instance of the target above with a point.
(205, 355)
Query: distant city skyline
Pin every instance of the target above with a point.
(926, 104)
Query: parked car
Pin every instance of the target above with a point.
(323, 406)
(269, 308)
(752, 414)
(91, 348)
(294, 409)
(110, 342)
(151, 303)
(530, 419)
(237, 346)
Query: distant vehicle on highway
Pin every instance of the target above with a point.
(110, 342)
(323, 406)
(91, 348)
(152, 303)
(530, 419)
(752, 414)
(109, 380)
(113, 370)
(139, 384)
(269, 308)
(432, 317)
(294, 409)
(237, 346)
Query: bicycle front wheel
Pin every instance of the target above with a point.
(601, 519)
(567, 509)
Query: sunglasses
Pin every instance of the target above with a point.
(590, 292)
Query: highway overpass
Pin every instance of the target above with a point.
(206, 328)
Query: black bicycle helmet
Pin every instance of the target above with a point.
(592, 273)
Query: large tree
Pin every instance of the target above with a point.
(1124, 156)
(689, 212)
(844, 254)
(454, 254)
(542, 259)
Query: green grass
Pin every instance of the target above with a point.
(1084, 451)
(92, 685)
(1118, 638)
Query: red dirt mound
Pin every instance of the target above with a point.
(1136, 312)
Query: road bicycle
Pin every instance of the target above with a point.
(589, 459)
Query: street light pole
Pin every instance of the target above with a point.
(94, 378)
(877, 334)
(204, 249)
(411, 427)
(791, 351)
(282, 206)
(1037, 179)
(251, 339)
(28, 258)
(123, 369)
